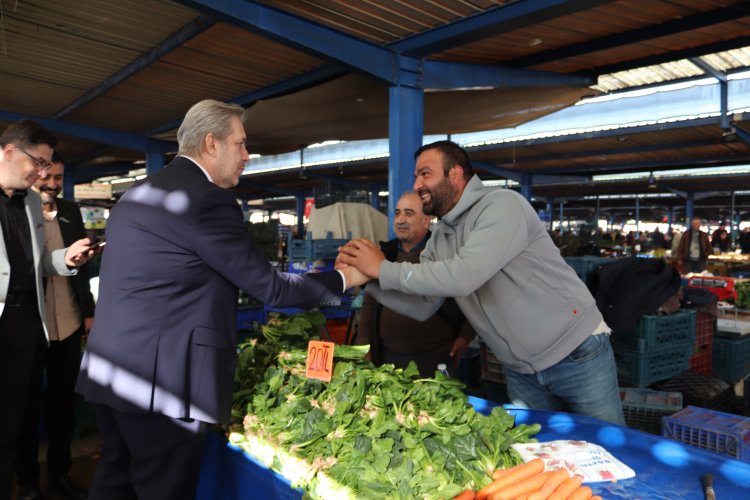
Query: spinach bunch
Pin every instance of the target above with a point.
(374, 432)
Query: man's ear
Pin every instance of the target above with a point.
(210, 144)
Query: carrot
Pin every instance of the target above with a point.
(502, 472)
(582, 493)
(566, 489)
(519, 473)
(523, 487)
(596, 497)
(467, 494)
(555, 479)
(522, 497)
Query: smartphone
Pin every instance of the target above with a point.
(98, 244)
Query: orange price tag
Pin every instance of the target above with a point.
(320, 360)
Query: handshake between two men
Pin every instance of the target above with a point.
(359, 260)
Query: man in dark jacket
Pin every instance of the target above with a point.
(694, 248)
(161, 355)
(443, 337)
(70, 313)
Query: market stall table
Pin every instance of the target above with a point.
(664, 469)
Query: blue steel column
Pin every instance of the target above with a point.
(300, 205)
(154, 161)
(561, 218)
(405, 127)
(670, 217)
(689, 208)
(69, 182)
(550, 208)
(526, 186)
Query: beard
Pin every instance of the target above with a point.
(48, 196)
(441, 198)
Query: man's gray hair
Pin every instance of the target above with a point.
(206, 117)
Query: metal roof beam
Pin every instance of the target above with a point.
(742, 134)
(312, 38)
(88, 174)
(335, 180)
(693, 22)
(447, 75)
(513, 175)
(709, 70)
(602, 152)
(174, 40)
(676, 55)
(650, 165)
(127, 140)
(489, 23)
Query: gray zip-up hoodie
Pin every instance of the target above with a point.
(492, 253)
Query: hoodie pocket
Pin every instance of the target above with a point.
(538, 316)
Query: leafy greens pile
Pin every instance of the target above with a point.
(374, 432)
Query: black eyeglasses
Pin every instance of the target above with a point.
(38, 162)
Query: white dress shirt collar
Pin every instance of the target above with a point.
(208, 176)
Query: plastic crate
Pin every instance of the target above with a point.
(660, 331)
(309, 250)
(701, 390)
(644, 408)
(731, 358)
(701, 361)
(585, 265)
(644, 368)
(246, 316)
(710, 430)
(705, 328)
(491, 368)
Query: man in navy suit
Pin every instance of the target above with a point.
(161, 355)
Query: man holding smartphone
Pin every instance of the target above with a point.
(69, 308)
(25, 152)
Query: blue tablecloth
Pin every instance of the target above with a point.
(665, 470)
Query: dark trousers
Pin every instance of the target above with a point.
(695, 266)
(146, 456)
(20, 327)
(60, 361)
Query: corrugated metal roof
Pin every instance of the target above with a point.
(51, 52)
(378, 21)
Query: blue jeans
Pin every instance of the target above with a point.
(585, 382)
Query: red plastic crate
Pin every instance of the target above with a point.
(705, 328)
(702, 361)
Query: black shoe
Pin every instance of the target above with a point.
(30, 492)
(67, 487)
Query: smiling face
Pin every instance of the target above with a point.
(438, 192)
(50, 185)
(410, 224)
(21, 166)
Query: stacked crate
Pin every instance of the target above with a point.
(583, 266)
(658, 348)
(711, 430)
(700, 390)
(644, 408)
(701, 360)
(731, 358)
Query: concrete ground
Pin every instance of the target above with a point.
(85, 451)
